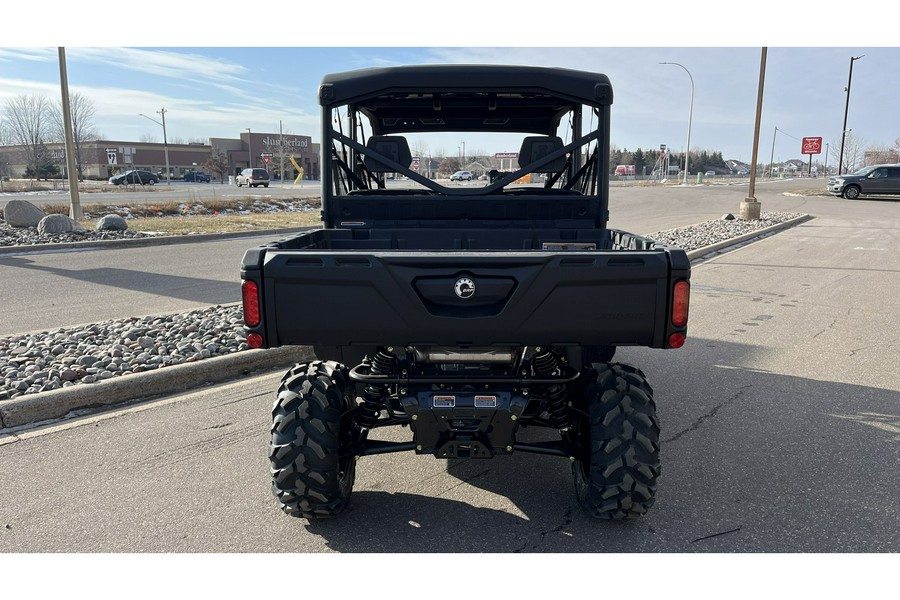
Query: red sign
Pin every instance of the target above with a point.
(812, 145)
(266, 159)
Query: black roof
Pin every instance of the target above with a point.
(465, 97)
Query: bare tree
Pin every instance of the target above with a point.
(877, 155)
(5, 135)
(83, 131)
(28, 120)
(148, 138)
(854, 152)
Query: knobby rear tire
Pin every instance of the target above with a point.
(309, 479)
(617, 470)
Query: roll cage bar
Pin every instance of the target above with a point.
(465, 98)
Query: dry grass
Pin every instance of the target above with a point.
(56, 209)
(187, 225)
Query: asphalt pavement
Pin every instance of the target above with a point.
(780, 431)
(106, 193)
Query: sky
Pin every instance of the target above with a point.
(216, 81)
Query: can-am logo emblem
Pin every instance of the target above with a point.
(464, 287)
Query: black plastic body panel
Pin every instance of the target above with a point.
(396, 287)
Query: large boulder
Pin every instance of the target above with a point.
(21, 213)
(111, 223)
(58, 224)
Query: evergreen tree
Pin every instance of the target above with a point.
(42, 166)
(639, 161)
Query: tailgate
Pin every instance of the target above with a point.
(471, 298)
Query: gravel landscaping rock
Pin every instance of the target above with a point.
(29, 235)
(712, 232)
(63, 357)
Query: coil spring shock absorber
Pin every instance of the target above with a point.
(373, 396)
(545, 364)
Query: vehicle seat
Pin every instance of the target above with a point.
(394, 147)
(536, 147)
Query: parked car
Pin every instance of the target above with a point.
(253, 178)
(709, 174)
(875, 179)
(462, 176)
(135, 176)
(197, 177)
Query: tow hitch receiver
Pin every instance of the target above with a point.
(464, 424)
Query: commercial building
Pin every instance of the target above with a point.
(102, 159)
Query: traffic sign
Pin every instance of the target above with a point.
(266, 159)
(812, 145)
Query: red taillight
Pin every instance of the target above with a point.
(676, 340)
(254, 340)
(681, 294)
(250, 295)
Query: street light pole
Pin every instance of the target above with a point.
(162, 112)
(463, 155)
(75, 210)
(687, 154)
(750, 207)
(249, 148)
(772, 158)
(846, 109)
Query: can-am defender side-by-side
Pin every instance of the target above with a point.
(465, 311)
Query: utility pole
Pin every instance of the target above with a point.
(75, 211)
(165, 145)
(750, 207)
(162, 112)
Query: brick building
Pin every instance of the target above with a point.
(103, 158)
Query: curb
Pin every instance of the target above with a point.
(706, 250)
(161, 240)
(33, 408)
(43, 406)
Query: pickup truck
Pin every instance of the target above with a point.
(466, 314)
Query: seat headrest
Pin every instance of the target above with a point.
(394, 147)
(537, 147)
